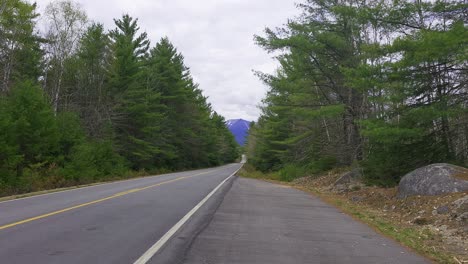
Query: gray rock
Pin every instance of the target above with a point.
(434, 179)
(461, 204)
(444, 209)
(357, 199)
(340, 188)
(463, 217)
(353, 176)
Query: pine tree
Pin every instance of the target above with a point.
(139, 107)
(91, 97)
(168, 77)
(20, 52)
(311, 113)
(425, 102)
(381, 83)
(32, 136)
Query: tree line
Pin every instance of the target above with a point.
(80, 104)
(378, 84)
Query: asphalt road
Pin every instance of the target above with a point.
(110, 223)
(260, 222)
(232, 220)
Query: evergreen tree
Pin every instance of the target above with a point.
(88, 75)
(107, 105)
(32, 136)
(20, 53)
(422, 117)
(379, 83)
(129, 51)
(310, 94)
(139, 120)
(168, 76)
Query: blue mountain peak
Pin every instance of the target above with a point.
(240, 129)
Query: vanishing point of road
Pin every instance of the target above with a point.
(202, 216)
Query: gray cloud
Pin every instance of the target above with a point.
(216, 38)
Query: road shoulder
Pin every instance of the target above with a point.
(260, 222)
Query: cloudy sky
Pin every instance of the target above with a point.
(215, 37)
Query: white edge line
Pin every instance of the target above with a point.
(100, 184)
(163, 240)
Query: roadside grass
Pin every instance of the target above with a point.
(25, 195)
(42, 188)
(421, 240)
(248, 171)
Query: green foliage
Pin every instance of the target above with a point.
(381, 84)
(291, 172)
(71, 134)
(129, 49)
(33, 126)
(107, 109)
(20, 53)
(94, 161)
(90, 96)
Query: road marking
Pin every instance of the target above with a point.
(94, 185)
(163, 240)
(100, 200)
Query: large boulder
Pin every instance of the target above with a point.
(434, 179)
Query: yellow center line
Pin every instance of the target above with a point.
(99, 201)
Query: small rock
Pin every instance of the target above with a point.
(461, 204)
(353, 176)
(463, 217)
(421, 212)
(393, 207)
(444, 209)
(356, 199)
(341, 188)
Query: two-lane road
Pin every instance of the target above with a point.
(109, 223)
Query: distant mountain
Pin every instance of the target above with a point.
(240, 129)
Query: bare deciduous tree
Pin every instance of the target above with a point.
(66, 24)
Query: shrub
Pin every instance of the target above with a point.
(291, 171)
(94, 160)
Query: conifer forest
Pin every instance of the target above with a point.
(381, 85)
(80, 104)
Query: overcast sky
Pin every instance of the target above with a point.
(215, 37)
